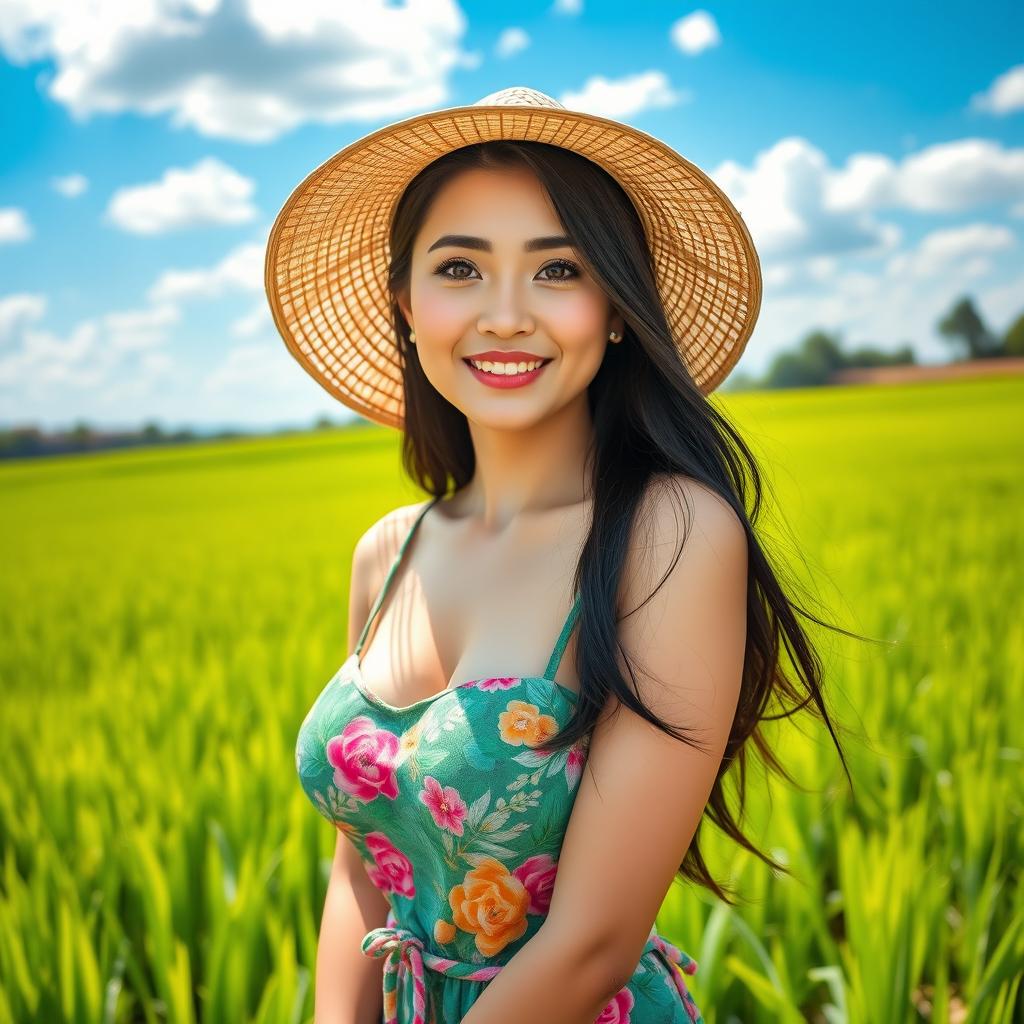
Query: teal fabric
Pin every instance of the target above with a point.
(458, 814)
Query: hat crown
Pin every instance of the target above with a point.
(518, 96)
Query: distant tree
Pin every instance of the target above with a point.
(870, 356)
(963, 328)
(151, 431)
(740, 380)
(323, 422)
(1013, 340)
(21, 441)
(81, 435)
(817, 358)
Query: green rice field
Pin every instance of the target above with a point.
(169, 615)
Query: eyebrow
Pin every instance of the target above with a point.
(472, 242)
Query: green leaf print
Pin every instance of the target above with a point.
(494, 821)
(538, 691)
(424, 759)
(509, 834)
(477, 810)
(548, 831)
(531, 758)
(649, 984)
(494, 848)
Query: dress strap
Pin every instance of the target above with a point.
(391, 572)
(563, 639)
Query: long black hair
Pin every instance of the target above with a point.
(650, 420)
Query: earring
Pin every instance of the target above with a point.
(412, 337)
(614, 336)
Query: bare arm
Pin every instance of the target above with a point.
(349, 983)
(644, 792)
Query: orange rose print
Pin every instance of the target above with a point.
(491, 903)
(523, 723)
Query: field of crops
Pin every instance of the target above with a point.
(169, 615)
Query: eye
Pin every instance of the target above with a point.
(564, 265)
(453, 261)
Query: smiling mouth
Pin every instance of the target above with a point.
(513, 368)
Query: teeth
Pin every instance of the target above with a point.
(507, 368)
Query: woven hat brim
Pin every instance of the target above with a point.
(328, 253)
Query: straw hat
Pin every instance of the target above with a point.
(327, 257)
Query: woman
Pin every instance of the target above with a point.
(543, 328)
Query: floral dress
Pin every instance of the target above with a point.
(458, 814)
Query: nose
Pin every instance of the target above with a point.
(506, 314)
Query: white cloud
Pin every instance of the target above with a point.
(38, 364)
(964, 248)
(247, 71)
(42, 358)
(209, 192)
(1001, 304)
(567, 7)
(18, 310)
(260, 384)
(253, 322)
(470, 61)
(784, 201)
(961, 174)
(1005, 95)
(511, 41)
(797, 206)
(70, 185)
(695, 33)
(623, 97)
(829, 262)
(241, 269)
(866, 182)
(138, 329)
(945, 177)
(245, 367)
(14, 225)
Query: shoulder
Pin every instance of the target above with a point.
(710, 512)
(677, 512)
(684, 588)
(378, 545)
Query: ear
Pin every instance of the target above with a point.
(617, 324)
(402, 298)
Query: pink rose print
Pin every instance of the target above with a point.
(447, 807)
(394, 870)
(363, 757)
(617, 1008)
(538, 877)
(498, 683)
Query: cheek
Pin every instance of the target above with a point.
(577, 320)
(441, 316)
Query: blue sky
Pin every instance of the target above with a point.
(876, 152)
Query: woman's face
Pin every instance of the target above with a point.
(518, 295)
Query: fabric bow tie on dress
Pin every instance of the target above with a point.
(406, 955)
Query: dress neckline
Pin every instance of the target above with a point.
(354, 660)
(356, 675)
